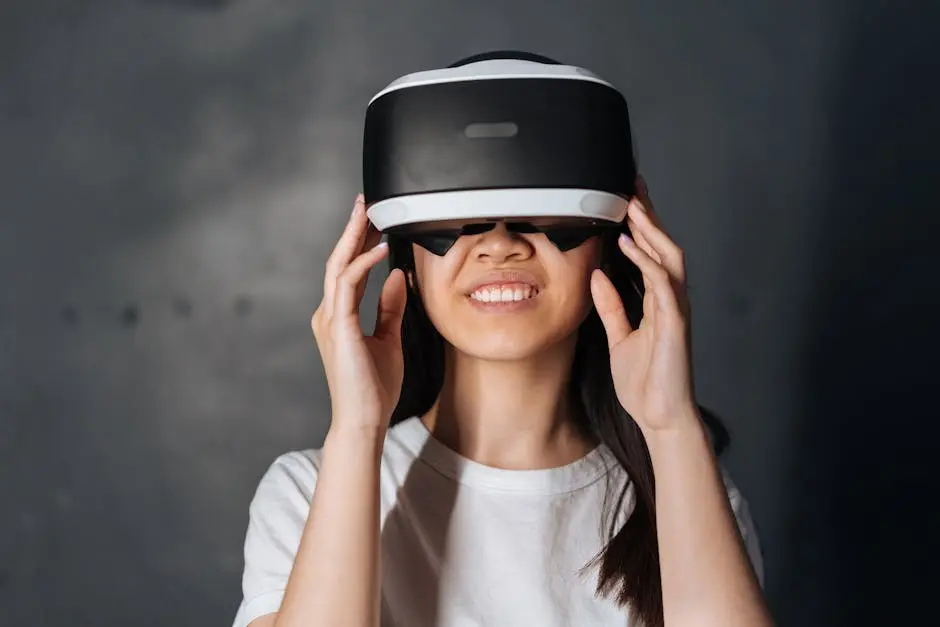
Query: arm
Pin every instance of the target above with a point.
(335, 579)
(707, 578)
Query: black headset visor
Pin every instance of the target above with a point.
(439, 237)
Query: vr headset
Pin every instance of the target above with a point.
(503, 136)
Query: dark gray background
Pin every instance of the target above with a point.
(173, 175)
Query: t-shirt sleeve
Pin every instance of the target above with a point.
(276, 519)
(747, 527)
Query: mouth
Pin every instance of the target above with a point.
(498, 293)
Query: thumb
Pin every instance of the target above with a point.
(610, 309)
(392, 302)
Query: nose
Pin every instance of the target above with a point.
(499, 245)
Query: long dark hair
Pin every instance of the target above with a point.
(629, 564)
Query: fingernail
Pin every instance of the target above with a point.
(625, 239)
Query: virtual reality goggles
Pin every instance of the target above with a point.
(505, 137)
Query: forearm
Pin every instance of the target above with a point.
(336, 575)
(706, 576)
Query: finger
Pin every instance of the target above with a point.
(638, 238)
(658, 277)
(646, 203)
(643, 194)
(392, 303)
(371, 239)
(649, 306)
(610, 309)
(346, 297)
(633, 207)
(666, 251)
(642, 200)
(349, 245)
(371, 236)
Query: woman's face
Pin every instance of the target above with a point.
(506, 296)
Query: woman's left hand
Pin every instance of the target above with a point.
(651, 365)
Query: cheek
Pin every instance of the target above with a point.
(577, 291)
(572, 271)
(435, 279)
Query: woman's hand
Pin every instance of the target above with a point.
(364, 373)
(651, 365)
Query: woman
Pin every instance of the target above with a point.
(524, 385)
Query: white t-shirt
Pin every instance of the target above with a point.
(463, 544)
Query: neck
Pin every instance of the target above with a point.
(509, 414)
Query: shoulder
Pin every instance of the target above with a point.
(292, 477)
(276, 518)
(282, 498)
(739, 507)
(739, 504)
(746, 524)
(291, 473)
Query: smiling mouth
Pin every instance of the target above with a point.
(504, 293)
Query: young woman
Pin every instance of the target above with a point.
(494, 444)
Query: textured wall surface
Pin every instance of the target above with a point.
(173, 175)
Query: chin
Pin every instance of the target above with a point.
(505, 342)
(519, 334)
(493, 347)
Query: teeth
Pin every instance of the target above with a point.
(504, 295)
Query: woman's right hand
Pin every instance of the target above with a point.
(364, 373)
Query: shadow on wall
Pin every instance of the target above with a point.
(858, 546)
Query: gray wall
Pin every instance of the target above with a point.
(173, 175)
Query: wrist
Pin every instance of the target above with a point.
(686, 428)
(356, 439)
